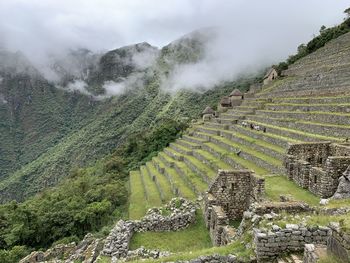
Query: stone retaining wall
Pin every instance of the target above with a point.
(270, 244)
(339, 243)
(182, 214)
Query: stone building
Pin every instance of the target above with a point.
(225, 102)
(317, 166)
(208, 114)
(236, 97)
(230, 194)
(271, 75)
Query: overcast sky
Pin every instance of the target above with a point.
(254, 32)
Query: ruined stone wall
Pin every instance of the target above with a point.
(235, 191)
(291, 207)
(218, 221)
(314, 153)
(270, 244)
(317, 166)
(339, 243)
(340, 149)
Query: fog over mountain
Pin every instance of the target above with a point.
(247, 38)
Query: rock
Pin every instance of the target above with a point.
(324, 202)
(343, 190)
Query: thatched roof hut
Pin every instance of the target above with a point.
(208, 110)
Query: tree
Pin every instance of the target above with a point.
(322, 29)
(347, 12)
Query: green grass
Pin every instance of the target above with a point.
(202, 166)
(310, 112)
(153, 194)
(212, 159)
(177, 180)
(280, 185)
(328, 259)
(248, 150)
(239, 160)
(137, 201)
(195, 237)
(162, 181)
(254, 141)
(312, 135)
(237, 248)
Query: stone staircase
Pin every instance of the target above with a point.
(301, 107)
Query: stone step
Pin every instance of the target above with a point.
(332, 130)
(160, 166)
(137, 201)
(153, 196)
(182, 188)
(239, 112)
(254, 143)
(295, 134)
(337, 108)
(188, 144)
(263, 160)
(161, 181)
(314, 100)
(192, 139)
(239, 162)
(203, 172)
(274, 139)
(180, 149)
(312, 116)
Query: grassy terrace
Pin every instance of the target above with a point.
(310, 112)
(271, 135)
(309, 104)
(252, 140)
(195, 237)
(311, 135)
(243, 162)
(247, 149)
(180, 184)
(153, 194)
(138, 202)
(280, 185)
(162, 181)
(194, 178)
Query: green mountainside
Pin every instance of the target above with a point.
(46, 131)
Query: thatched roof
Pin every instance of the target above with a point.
(269, 72)
(208, 110)
(225, 101)
(236, 92)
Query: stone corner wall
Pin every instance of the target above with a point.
(339, 243)
(270, 244)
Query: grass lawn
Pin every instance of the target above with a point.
(195, 237)
(280, 185)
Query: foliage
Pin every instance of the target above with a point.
(13, 255)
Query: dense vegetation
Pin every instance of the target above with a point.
(326, 35)
(88, 200)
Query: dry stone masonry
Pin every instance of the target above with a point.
(182, 213)
(230, 194)
(317, 166)
(272, 243)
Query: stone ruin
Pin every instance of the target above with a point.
(343, 190)
(180, 214)
(208, 114)
(230, 194)
(318, 166)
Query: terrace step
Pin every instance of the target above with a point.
(138, 202)
(257, 144)
(161, 181)
(152, 192)
(293, 133)
(317, 118)
(180, 187)
(193, 179)
(314, 100)
(331, 130)
(337, 108)
(263, 160)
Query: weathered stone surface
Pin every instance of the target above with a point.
(343, 190)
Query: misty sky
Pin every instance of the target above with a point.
(254, 33)
(43, 25)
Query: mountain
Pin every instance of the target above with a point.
(48, 130)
